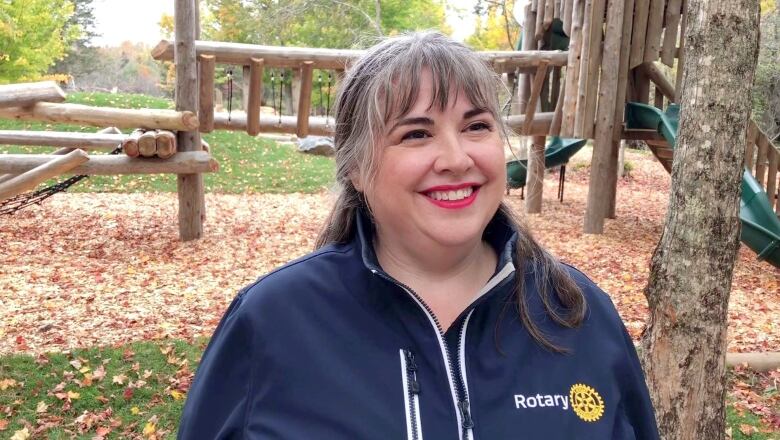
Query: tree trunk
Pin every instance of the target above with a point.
(684, 345)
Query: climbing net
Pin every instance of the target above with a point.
(16, 203)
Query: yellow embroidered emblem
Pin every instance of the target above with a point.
(586, 402)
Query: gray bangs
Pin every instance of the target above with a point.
(454, 69)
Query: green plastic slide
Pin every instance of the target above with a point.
(760, 225)
(558, 152)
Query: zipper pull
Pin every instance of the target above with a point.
(465, 414)
(414, 386)
(411, 365)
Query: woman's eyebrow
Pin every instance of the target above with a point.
(422, 120)
(474, 112)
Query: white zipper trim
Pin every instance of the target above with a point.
(416, 401)
(440, 338)
(497, 278)
(462, 361)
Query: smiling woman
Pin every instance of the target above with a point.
(399, 325)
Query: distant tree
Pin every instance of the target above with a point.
(496, 27)
(80, 57)
(766, 91)
(33, 35)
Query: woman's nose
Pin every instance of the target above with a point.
(453, 156)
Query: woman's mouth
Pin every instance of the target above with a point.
(452, 198)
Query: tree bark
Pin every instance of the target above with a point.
(691, 269)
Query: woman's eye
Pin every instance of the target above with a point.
(479, 126)
(415, 134)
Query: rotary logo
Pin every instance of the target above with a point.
(586, 402)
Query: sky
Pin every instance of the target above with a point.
(121, 20)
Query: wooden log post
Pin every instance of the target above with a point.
(762, 153)
(245, 81)
(130, 145)
(655, 23)
(524, 89)
(750, 147)
(166, 144)
(255, 96)
(568, 9)
(586, 105)
(189, 185)
(555, 126)
(26, 94)
(304, 99)
(617, 160)
(104, 116)
(539, 25)
(771, 176)
(662, 84)
(672, 21)
(147, 144)
(51, 168)
(206, 98)
(681, 53)
(641, 12)
(603, 171)
(85, 141)
(573, 70)
(188, 162)
(533, 102)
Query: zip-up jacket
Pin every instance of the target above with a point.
(331, 347)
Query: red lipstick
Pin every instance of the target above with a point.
(453, 204)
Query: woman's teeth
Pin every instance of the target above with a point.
(451, 195)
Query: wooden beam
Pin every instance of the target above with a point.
(26, 94)
(540, 126)
(52, 167)
(189, 162)
(103, 116)
(147, 144)
(255, 96)
(623, 77)
(672, 23)
(771, 174)
(641, 11)
(86, 141)
(206, 89)
(568, 8)
(555, 126)
(304, 99)
(762, 152)
(658, 78)
(330, 59)
(130, 144)
(655, 23)
(189, 183)
(166, 144)
(589, 71)
(536, 90)
(573, 70)
(603, 173)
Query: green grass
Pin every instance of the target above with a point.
(247, 164)
(735, 421)
(160, 366)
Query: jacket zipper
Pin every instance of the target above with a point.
(411, 395)
(458, 385)
(461, 407)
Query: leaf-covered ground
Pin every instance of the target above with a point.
(95, 269)
(90, 270)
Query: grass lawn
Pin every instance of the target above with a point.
(247, 164)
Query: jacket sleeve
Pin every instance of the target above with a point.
(637, 404)
(220, 395)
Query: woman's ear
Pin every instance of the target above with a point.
(355, 176)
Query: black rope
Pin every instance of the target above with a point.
(230, 92)
(273, 89)
(330, 83)
(319, 85)
(12, 205)
(281, 93)
(508, 105)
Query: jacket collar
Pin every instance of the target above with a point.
(499, 233)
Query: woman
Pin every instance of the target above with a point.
(428, 310)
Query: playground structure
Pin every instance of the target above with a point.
(581, 63)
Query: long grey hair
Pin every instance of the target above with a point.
(383, 84)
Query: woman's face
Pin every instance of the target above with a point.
(441, 173)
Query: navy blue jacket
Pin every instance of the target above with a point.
(331, 347)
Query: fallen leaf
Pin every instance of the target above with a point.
(119, 379)
(22, 434)
(41, 407)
